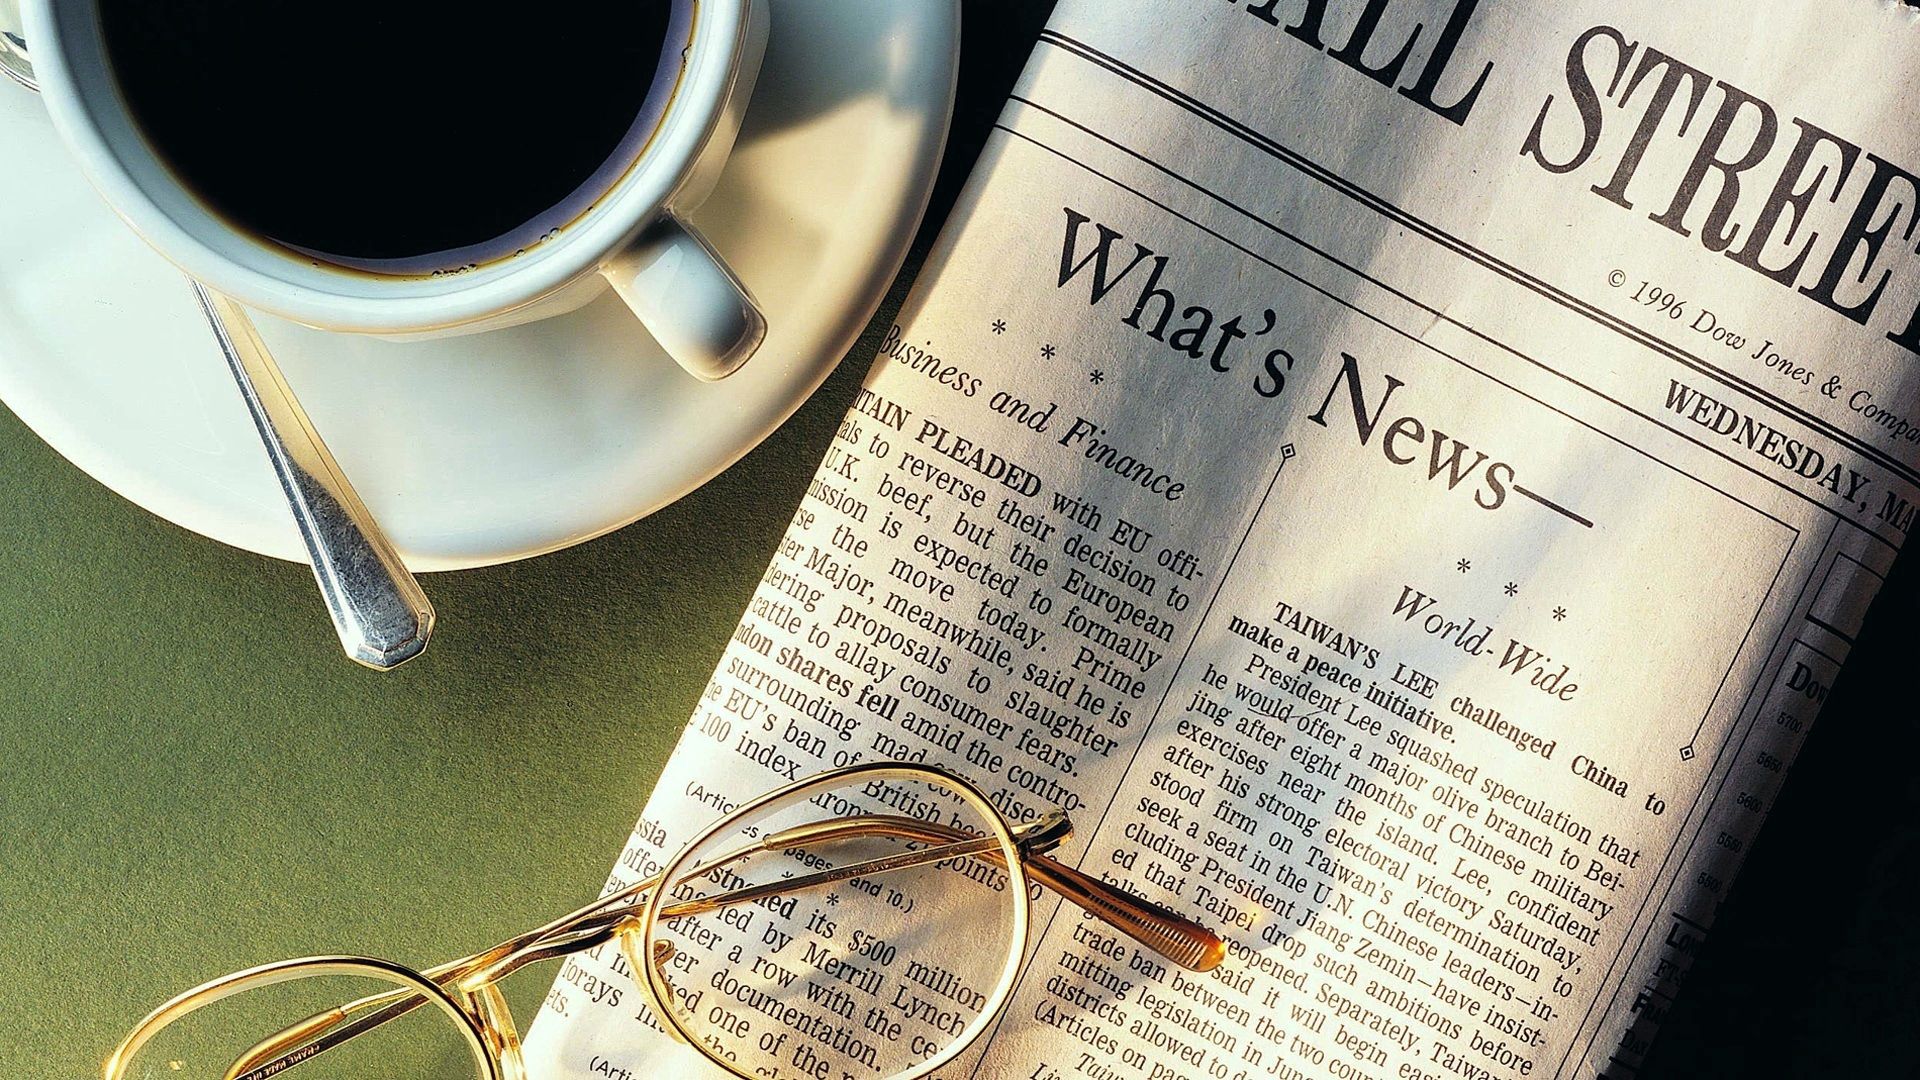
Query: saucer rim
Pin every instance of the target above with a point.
(513, 538)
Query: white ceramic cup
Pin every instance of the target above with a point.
(632, 239)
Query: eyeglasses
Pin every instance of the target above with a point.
(871, 920)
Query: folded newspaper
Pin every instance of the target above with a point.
(1403, 475)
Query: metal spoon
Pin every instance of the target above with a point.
(14, 62)
(382, 616)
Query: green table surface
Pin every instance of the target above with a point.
(193, 780)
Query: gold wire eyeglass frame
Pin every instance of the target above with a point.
(467, 989)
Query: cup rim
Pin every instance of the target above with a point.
(715, 45)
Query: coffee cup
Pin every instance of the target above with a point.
(632, 237)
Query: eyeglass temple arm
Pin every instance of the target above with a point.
(322, 1032)
(593, 924)
(583, 929)
(1166, 932)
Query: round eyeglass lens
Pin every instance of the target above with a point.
(281, 1029)
(809, 937)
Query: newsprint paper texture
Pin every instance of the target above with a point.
(1402, 474)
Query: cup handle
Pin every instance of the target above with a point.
(688, 299)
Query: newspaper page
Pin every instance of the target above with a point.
(1402, 475)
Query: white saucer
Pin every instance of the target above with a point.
(482, 449)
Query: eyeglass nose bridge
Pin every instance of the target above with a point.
(662, 954)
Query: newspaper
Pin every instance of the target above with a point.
(1403, 475)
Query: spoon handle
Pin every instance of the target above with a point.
(379, 610)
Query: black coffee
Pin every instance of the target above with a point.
(398, 136)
